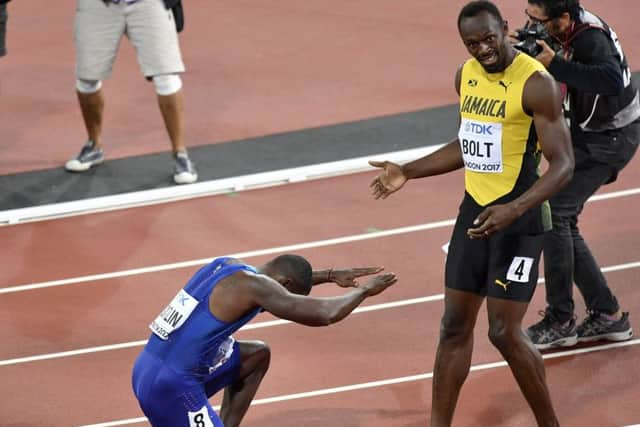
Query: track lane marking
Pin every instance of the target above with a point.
(260, 325)
(390, 381)
(242, 255)
(270, 251)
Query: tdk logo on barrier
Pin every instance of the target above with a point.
(478, 128)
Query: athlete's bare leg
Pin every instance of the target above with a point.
(505, 333)
(255, 358)
(453, 358)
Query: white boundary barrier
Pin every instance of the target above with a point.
(206, 188)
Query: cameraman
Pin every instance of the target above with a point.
(602, 108)
(3, 26)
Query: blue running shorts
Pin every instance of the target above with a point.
(170, 399)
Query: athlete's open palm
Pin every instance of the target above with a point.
(389, 181)
(346, 278)
(379, 283)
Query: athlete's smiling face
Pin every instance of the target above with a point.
(485, 38)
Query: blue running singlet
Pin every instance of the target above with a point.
(190, 355)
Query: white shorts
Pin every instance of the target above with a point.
(99, 27)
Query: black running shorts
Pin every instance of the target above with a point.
(503, 266)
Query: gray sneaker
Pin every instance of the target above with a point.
(88, 156)
(550, 333)
(599, 327)
(185, 171)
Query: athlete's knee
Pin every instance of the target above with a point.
(503, 335)
(256, 356)
(167, 84)
(263, 353)
(455, 329)
(88, 87)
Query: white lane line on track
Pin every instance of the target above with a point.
(614, 194)
(250, 326)
(391, 381)
(259, 325)
(270, 251)
(244, 255)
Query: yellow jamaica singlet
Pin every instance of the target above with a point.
(497, 138)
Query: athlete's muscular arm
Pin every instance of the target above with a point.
(313, 311)
(343, 277)
(541, 98)
(394, 176)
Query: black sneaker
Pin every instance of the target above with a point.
(549, 332)
(185, 171)
(598, 326)
(88, 156)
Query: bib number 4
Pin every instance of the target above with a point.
(520, 269)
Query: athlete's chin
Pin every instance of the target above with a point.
(493, 67)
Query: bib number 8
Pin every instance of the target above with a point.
(200, 418)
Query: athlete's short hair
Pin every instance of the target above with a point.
(475, 8)
(297, 269)
(555, 8)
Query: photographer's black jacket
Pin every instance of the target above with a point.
(591, 63)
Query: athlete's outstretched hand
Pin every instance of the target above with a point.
(491, 220)
(377, 284)
(346, 278)
(389, 181)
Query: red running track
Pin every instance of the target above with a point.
(253, 68)
(596, 388)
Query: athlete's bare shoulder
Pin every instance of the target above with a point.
(458, 78)
(541, 95)
(234, 295)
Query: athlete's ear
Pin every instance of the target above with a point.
(287, 283)
(505, 26)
